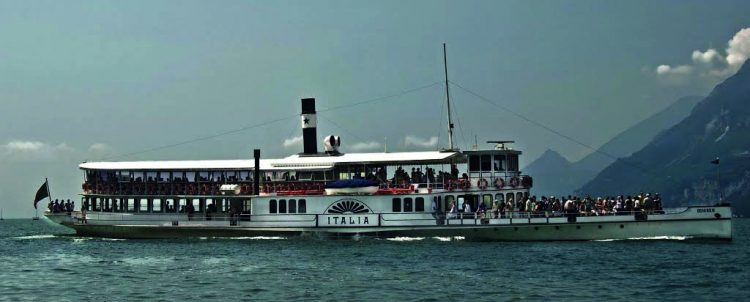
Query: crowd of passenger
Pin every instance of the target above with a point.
(198, 184)
(565, 206)
(61, 206)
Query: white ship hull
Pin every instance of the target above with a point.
(692, 223)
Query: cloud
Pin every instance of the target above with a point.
(411, 140)
(27, 150)
(100, 149)
(365, 146)
(294, 141)
(709, 65)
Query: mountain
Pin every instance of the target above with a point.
(677, 162)
(554, 174)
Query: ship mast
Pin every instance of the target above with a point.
(448, 98)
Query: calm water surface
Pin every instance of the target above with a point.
(43, 262)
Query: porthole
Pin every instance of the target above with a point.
(600, 226)
(622, 226)
(536, 228)
(557, 227)
(515, 228)
(578, 227)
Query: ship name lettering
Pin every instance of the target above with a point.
(336, 220)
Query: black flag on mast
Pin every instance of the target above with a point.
(715, 161)
(42, 193)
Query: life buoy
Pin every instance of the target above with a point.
(527, 181)
(482, 183)
(499, 182)
(514, 182)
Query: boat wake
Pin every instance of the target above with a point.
(245, 238)
(32, 237)
(678, 238)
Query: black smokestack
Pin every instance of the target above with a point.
(256, 178)
(309, 124)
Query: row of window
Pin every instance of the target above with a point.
(283, 206)
(417, 205)
(408, 204)
(495, 163)
(158, 205)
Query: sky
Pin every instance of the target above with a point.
(150, 80)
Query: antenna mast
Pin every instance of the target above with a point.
(448, 97)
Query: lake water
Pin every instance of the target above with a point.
(44, 262)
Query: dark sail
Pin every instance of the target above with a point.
(42, 193)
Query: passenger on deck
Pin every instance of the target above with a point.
(467, 208)
(482, 210)
(453, 211)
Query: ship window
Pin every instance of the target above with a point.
(302, 206)
(513, 162)
(396, 205)
(199, 204)
(130, 206)
(509, 197)
(487, 200)
(196, 205)
(210, 205)
(143, 205)
(419, 204)
(474, 163)
(498, 163)
(487, 163)
(169, 205)
(180, 205)
(437, 203)
(272, 206)
(408, 204)
(292, 206)
(519, 197)
(449, 199)
(157, 205)
(499, 198)
(282, 206)
(246, 206)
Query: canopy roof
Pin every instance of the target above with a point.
(294, 162)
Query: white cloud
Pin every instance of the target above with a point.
(100, 149)
(33, 150)
(294, 141)
(411, 140)
(709, 65)
(739, 47)
(365, 146)
(24, 146)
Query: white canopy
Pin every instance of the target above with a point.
(294, 162)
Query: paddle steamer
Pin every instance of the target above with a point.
(331, 193)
